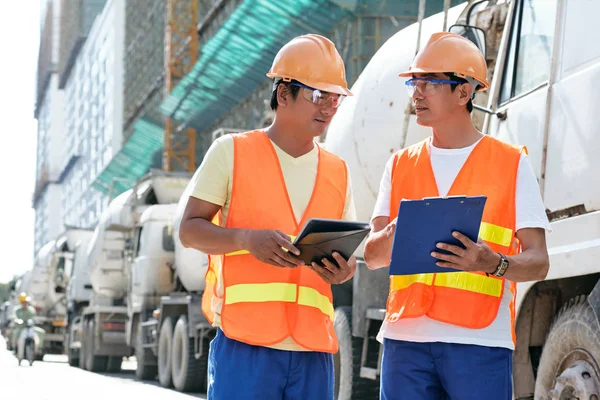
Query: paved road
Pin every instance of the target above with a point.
(53, 379)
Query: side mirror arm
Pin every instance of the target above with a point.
(501, 115)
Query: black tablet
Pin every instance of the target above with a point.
(319, 238)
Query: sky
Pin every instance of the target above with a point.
(19, 41)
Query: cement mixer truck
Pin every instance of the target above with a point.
(47, 290)
(179, 334)
(71, 250)
(128, 261)
(544, 63)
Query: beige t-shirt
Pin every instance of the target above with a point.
(214, 179)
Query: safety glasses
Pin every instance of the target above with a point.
(427, 86)
(319, 97)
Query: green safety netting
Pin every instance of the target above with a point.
(231, 65)
(133, 160)
(235, 60)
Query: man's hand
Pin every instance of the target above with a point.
(268, 246)
(378, 248)
(475, 257)
(332, 274)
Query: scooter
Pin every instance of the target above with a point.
(27, 343)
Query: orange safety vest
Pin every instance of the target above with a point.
(466, 299)
(264, 304)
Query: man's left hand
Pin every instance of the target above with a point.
(333, 274)
(474, 257)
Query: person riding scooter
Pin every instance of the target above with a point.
(23, 314)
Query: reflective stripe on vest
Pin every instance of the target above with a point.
(495, 234)
(277, 291)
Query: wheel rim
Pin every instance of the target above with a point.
(578, 378)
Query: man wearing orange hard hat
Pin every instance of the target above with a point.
(451, 335)
(252, 193)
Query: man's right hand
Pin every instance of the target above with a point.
(268, 246)
(378, 249)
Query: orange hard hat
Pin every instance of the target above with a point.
(449, 52)
(312, 60)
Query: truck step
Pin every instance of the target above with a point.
(377, 314)
(151, 322)
(369, 373)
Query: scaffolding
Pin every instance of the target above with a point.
(181, 53)
(144, 55)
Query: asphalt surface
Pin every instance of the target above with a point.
(53, 379)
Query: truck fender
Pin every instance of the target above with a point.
(594, 302)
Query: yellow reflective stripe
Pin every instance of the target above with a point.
(237, 253)
(495, 234)
(241, 252)
(310, 297)
(260, 292)
(276, 291)
(470, 282)
(399, 282)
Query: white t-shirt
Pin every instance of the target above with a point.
(530, 213)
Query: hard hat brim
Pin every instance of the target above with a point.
(330, 88)
(484, 84)
(326, 87)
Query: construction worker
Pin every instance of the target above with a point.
(275, 336)
(22, 314)
(451, 335)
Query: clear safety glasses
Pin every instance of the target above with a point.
(319, 97)
(427, 86)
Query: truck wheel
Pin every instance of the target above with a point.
(94, 363)
(114, 364)
(188, 373)
(84, 346)
(72, 354)
(145, 370)
(348, 383)
(165, 349)
(568, 366)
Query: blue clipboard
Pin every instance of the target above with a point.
(423, 223)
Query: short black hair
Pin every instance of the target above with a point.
(453, 86)
(294, 90)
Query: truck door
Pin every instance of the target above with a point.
(522, 93)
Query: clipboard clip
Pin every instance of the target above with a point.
(460, 196)
(463, 197)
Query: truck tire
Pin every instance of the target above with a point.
(114, 364)
(569, 363)
(83, 338)
(189, 374)
(94, 363)
(145, 369)
(165, 351)
(348, 383)
(72, 354)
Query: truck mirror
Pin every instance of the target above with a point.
(473, 33)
